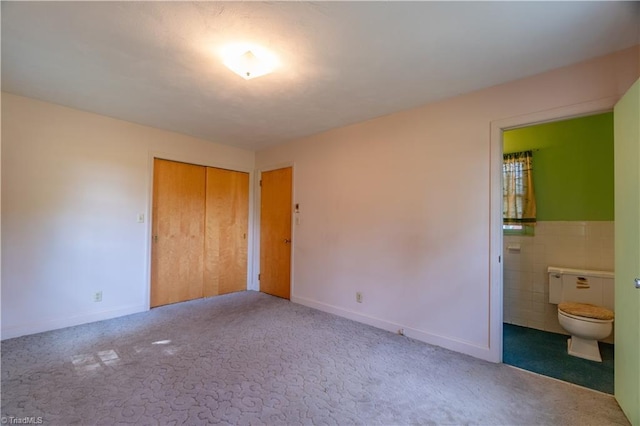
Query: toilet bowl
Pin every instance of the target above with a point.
(585, 300)
(587, 324)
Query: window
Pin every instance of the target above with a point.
(519, 203)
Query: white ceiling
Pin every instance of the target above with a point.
(156, 63)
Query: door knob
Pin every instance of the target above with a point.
(637, 281)
(287, 241)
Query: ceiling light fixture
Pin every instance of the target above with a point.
(249, 61)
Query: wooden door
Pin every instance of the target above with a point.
(275, 232)
(177, 232)
(626, 116)
(227, 223)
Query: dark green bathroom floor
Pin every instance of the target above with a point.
(546, 353)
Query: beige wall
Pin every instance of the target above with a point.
(398, 207)
(73, 184)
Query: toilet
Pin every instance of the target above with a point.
(585, 300)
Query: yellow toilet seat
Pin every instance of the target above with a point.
(586, 310)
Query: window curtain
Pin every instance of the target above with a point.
(518, 196)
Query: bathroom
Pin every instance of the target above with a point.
(573, 179)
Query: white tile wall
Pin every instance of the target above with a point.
(580, 245)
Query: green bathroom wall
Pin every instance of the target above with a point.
(572, 166)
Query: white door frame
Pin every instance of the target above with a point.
(495, 226)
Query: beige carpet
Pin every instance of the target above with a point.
(252, 359)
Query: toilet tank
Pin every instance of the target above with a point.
(581, 286)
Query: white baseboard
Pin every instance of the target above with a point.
(56, 323)
(482, 352)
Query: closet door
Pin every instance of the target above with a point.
(227, 223)
(178, 229)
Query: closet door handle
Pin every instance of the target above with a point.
(287, 241)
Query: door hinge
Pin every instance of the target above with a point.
(260, 182)
(499, 259)
(258, 277)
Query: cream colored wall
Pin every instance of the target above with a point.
(398, 208)
(380, 213)
(73, 184)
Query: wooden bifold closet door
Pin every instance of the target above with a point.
(227, 221)
(199, 232)
(178, 232)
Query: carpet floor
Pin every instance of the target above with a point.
(546, 353)
(251, 359)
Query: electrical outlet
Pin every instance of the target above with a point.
(358, 297)
(97, 296)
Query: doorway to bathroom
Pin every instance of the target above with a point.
(573, 181)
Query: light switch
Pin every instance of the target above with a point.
(140, 217)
